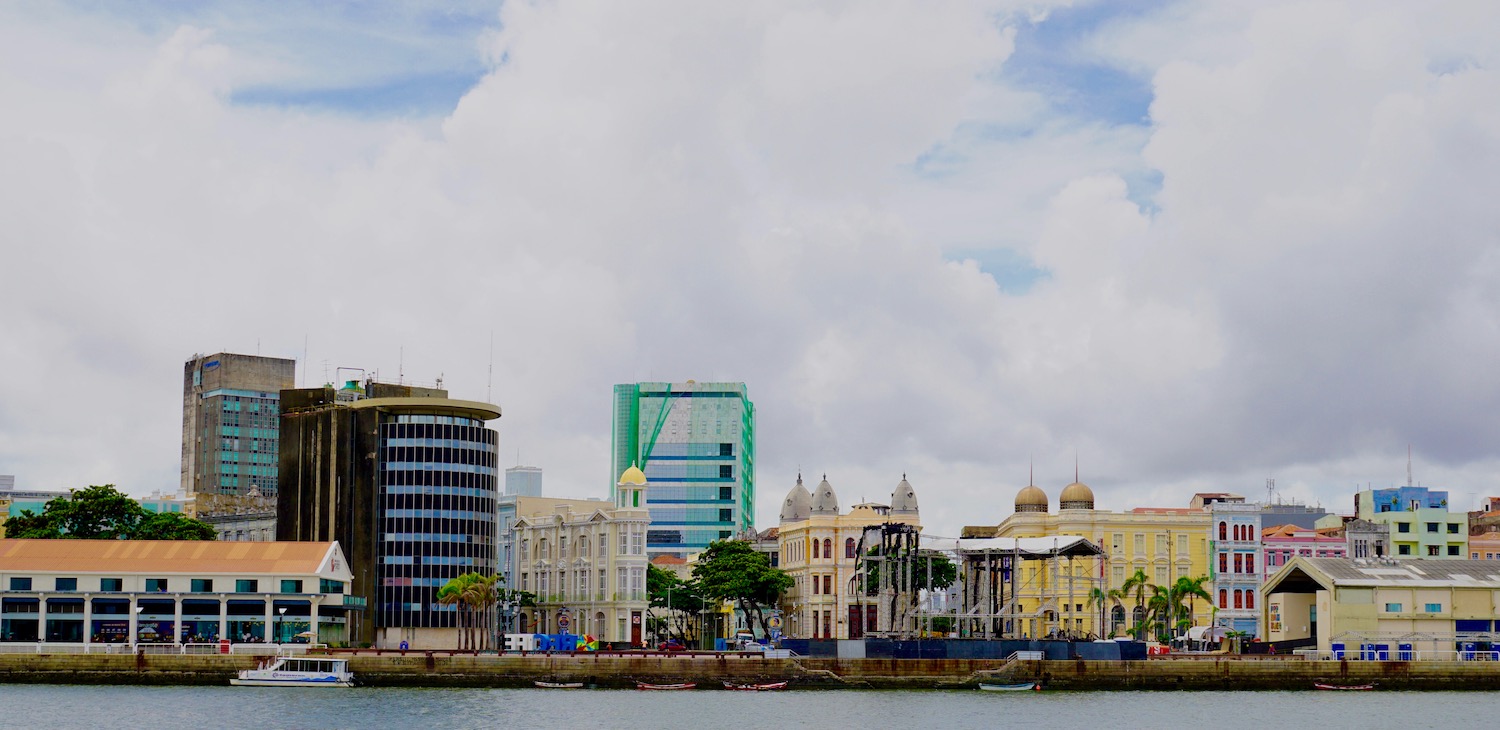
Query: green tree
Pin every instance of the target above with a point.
(103, 513)
(731, 570)
(679, 601)
(172, 526)
(1190, 590)
(463, 592)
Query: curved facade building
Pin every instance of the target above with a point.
(405, 479)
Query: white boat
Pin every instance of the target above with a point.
(1022, 687)
(284, 671)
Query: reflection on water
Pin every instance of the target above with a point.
(165, 708)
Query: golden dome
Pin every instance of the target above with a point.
(1076, 496)
(633, 476)
(1031, 499)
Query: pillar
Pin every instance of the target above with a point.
(266, 635)
(41, 617)
(312, 620)
(177, 619)
(88, 620)
(223, 616)
(134, 625)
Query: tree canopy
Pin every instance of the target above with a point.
(732, 570)
(678, 602)
(102, 512)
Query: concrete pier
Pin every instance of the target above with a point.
(419, 669)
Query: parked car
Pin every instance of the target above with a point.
(671, 645)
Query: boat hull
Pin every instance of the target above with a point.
(1024, 687)
(643, 685)
(1346, 688)
(300, 682)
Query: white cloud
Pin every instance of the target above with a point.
(671, 191)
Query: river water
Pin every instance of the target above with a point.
(164, 708)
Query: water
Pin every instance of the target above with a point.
(165, 708)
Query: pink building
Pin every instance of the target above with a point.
(1284, 542)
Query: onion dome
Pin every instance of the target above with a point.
(633, 476)
(1031, 499)
(824, 501)
(1076, 496)
(798, 504)
(904, 499)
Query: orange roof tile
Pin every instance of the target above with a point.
(668, 560)
(162, 556)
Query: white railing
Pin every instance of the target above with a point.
(54, 647)
(1393, 654)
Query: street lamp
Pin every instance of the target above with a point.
(281, 624)
(136, 639)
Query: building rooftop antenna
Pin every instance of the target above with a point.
(1408, 465)
(489, 381)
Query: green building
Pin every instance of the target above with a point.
(696, 444)
(1421, 524)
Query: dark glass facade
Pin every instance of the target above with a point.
(437, 513)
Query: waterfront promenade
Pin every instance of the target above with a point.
(445, 669)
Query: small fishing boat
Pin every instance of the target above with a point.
(767, 687)
(285, 671)
(558, 685)
(647, 685)
(1319, 685)
(1022, 687)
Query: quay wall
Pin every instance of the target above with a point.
(423, 669)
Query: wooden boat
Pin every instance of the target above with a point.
(647, 685)
(1318, 685)
(769, 686)
(1022, 687)
(558, 685)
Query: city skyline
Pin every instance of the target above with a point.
(1185, 247)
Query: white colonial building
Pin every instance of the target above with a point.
(587, 567)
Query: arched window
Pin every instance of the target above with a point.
(1239, 599)
(827, 548)
(1250, 599)
(1223, 598)
(815, 549)
(849, 548)
(1117, 619)
(1223, 530)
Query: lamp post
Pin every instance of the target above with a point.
(280, 623)
(137, 638)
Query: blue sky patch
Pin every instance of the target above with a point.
(1013, 271)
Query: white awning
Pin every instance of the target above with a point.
(1030, 548)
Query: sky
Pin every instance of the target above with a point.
(1177, 247)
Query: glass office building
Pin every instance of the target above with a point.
(696, 444)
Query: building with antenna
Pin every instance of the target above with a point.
(1421, 523)
(405, 479)
(696, 444)
(230, 425)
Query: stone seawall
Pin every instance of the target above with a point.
(418, 669)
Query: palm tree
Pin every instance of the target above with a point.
(1102, 597)
(451, 594)
(1140, 584)
(1191, 589)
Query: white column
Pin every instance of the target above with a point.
(312, 619)
(267, 635)
(134, 627)
(223, 616)
(88, 619)
(41, 617)
(177, 619)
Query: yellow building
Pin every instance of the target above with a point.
(1051, 597)
(819, 548)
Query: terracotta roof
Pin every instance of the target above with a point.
(668, 560)
(165, 556)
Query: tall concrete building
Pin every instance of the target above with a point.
(405, 479)
(230, 405)
(696, 444)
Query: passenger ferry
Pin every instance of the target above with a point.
(286, 671)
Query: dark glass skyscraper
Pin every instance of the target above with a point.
(405, 479)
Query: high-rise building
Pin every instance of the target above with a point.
(405, 479)
(696, 444)
(523, 481)
(229, 425)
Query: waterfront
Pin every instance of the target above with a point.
(167, 708)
